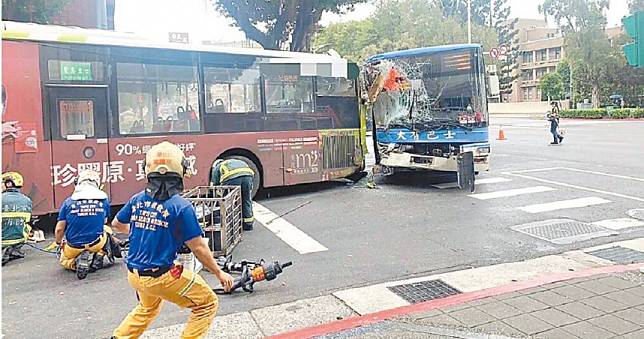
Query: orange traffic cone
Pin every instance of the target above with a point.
(501, 134)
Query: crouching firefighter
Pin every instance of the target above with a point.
(159, 222)
(82, 222)
(234, 172)
(16, 214)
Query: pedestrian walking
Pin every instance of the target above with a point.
(553, 117)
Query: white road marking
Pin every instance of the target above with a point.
(564, 204)
(535, 170)
(604, 174)
(490, 180)
(290, 234)
(575, 186)
(619, 223)
(476, 181)
(511, 193)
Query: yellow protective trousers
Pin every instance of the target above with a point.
(68, 254)
(189, 290)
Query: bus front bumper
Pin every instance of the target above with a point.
(427, 162)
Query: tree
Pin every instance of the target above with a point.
(276, 24)
(635, 5)
(38, 11)
(397, 25)
(551, 86)
(480, 10)
(586, 42)
(507, 33)
(563, 69)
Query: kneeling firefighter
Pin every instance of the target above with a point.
(16, 215)
(82, 222)
(235, 172)
(159, 222)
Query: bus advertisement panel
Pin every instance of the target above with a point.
(101, 100)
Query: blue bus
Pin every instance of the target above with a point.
(428, 106)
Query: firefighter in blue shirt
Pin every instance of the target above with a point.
(159, 222)
(82, 222)
(235, 172)
(16, 215)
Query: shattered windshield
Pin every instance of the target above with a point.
(427, 92)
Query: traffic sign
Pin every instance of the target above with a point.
(634, 27)
(503, 49)
(494, 53)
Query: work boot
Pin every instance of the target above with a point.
(560, 138)
(247, 226)
(97, 263)
(82, 265)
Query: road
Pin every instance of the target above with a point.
(406, 227)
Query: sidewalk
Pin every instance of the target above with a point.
(608, 305)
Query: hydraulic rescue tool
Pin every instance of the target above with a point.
(251, 272)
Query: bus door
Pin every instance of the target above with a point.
(79, 129)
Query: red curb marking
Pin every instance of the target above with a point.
(367, 319)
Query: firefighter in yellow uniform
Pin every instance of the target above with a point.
(159, 221)
(81, 221)
(235, 172)
(16, 215)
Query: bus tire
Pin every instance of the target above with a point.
(256, 178)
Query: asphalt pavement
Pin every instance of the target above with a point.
(409, 226)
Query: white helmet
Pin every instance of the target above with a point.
(89, 176)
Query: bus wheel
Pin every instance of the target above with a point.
(257, 178)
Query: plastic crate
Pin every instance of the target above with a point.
(219, 211)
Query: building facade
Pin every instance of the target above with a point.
(541, 48)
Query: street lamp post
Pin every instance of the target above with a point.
(469, 21)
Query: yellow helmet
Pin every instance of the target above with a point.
(165, 158)
(15, 178)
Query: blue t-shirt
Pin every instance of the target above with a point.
(157, 229)
(85, 219)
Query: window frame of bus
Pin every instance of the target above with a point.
(98, 58)
(157, 57)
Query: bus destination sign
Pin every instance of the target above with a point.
(76, 71)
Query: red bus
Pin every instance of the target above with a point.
(79, 98)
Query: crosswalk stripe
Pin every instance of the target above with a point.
(619, 223)
(511, 193)
(564, 204)
(491, 180)
(290, 234)
(476, 181)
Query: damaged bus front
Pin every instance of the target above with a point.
(429, 106)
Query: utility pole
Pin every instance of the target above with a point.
(469, 21)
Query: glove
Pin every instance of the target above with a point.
(53, 247)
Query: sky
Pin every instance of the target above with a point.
(202, 22)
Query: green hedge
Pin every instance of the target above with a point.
(599, 113)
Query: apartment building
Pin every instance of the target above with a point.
(541, 48)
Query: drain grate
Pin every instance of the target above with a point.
(619, 255)
(424, 290)
(563, 231)
(637, 213)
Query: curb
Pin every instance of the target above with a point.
(353, 322)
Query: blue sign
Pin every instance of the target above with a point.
(449, 135)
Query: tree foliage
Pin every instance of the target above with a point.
(551, 86)
(635, 5)
(507, 35)
(38, 11)
(397, 25)
(575, 15)
(278, 24)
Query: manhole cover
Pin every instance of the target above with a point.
(619, 254)
(424, 290)
(637, 213)
(563, 231)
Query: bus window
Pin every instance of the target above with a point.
(230, 90)
(335, 87)
(289, 94)
(76, 117)
(156, 99)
